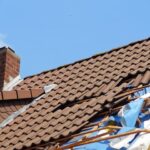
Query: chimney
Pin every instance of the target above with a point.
(9, 66)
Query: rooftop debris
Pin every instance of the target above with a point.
(124, 129)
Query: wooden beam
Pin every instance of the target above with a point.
(131, 91)
(98, 138)
(97, 126)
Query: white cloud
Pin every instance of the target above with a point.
(2, 40)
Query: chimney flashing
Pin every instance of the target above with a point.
(9, 86)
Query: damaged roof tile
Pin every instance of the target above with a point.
(83, 89)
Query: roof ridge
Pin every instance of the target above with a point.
(93, 56)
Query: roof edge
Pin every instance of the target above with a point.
(93, 56)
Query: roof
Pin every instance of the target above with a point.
(84, 89)
(9, 107)
(12, 101)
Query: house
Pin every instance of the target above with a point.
(61, 108)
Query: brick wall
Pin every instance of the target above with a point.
(9, 66)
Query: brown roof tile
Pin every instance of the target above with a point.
(8, 107)
(83, 89)
(12, 101)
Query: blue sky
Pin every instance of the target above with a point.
(50, 33)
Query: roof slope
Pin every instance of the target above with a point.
(7, 107)
(83, 89)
